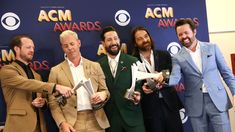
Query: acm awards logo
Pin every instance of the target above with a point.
(10, 21)
(63, 20)
(122, 18)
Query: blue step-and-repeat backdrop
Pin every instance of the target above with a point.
(45, 19)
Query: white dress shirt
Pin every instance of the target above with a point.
(83, 98)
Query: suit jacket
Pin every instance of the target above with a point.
(17, 90)
(130, 113)
(150, 102)
(61, 74)
(213, 65)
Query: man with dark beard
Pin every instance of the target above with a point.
(160, 105)
(201, 65)
(124, 115)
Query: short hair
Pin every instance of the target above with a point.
(133, 32)
(67, 33)
(105, 30)
(183, 21)
(16, 41)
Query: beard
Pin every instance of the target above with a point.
(145, 46)
(26, 58)
(187, 44)
(113, 52)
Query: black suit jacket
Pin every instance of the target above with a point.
(150, 102)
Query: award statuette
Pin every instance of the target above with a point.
(88, 87)
(62, 100)
(153, 84)
(138, 73)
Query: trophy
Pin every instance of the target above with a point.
(88, 86)
(153, 84)
(139, 73)
(62, 100)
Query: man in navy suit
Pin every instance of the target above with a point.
(161, 106)
(202, 65)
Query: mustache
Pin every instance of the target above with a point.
(186, 38)
(113, 45)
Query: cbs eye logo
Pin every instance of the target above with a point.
(122, 18)
(10, 21)
(183, 116)
(173, 48)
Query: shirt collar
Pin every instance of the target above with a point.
(142, 57)
(197, 48)
(71, 63)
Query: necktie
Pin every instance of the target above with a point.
(113, 67)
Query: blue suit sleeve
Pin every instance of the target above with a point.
(224, 70)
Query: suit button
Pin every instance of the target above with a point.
(75, 94)
(75, 107)
(201, 89)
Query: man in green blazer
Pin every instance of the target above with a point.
(124, 115)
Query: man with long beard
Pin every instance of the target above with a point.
(124, 115)
(160, 105)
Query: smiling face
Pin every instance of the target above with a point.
(186, 35)
(143, 40)
(111, 43)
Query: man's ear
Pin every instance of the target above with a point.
(79, 42)
(102, 42)
(195, 32)
(16, 49)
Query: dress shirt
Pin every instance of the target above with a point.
(112, 66)
(83, 97)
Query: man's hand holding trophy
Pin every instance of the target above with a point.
(154, 81)
(97, 98)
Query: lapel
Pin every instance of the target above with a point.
(65, 68)
(189, 59)
(120, 67)
(86, 67)
(20, 69)
(107, 69)
(205, 53)
(156, 60)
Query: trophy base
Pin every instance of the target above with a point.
(129, 94)
(98, 106)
